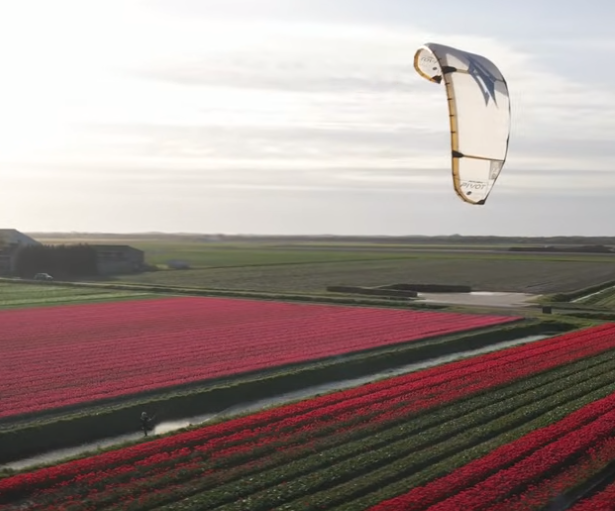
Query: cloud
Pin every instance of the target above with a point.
(308, 92)
(132, 99)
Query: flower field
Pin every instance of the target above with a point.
(603, 500)
(506, 430)
(57, 356)
(512, 477)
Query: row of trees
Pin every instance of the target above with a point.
(61, 261)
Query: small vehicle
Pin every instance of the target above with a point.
(43, 276)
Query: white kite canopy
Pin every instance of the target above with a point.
(479, 110)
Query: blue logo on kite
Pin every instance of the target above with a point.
(484, 78)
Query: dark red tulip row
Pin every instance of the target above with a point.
(58, 356)
(602, 501)
(492, 483)
(247, 443)
(539, 494)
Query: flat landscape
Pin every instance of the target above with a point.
(486, 412)
(253, 256)
(310, 268)
(494, 273)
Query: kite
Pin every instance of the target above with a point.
(479, 115)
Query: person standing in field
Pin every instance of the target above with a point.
(145, 423)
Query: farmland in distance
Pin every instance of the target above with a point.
(536, 276)
(309, 267)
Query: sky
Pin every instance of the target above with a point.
(296, 117)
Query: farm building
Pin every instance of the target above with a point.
(7, 260)
(118, 259)
(110, 258)
(10, 241)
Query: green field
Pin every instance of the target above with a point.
(309, 267)
(215, 254)
(490, 273)
(604, 299)
(206, 255)
(26, 295)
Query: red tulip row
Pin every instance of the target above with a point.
(82, 353)
(540, 494)
(511, 477)
(248, 442)
(601, 501)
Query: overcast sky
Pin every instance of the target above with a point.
(296, 116)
